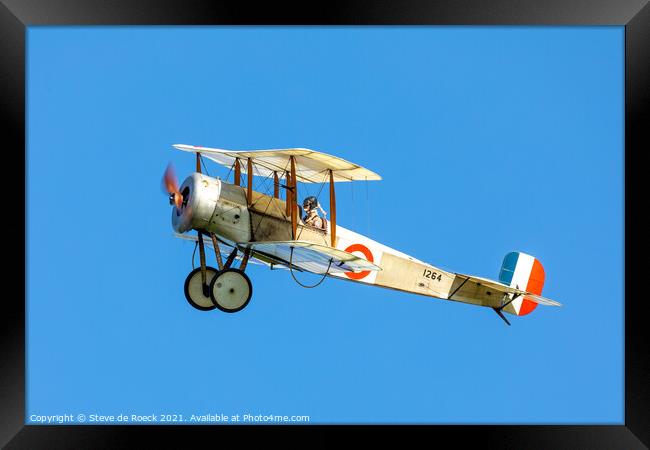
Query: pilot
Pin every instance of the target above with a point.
(309, 205)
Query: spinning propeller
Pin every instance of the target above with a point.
(170, 185)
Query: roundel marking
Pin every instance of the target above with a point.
(367, 253)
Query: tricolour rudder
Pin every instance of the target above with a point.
(523, 272)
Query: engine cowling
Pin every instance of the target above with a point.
(212, 205)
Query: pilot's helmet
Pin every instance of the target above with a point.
(310, 203)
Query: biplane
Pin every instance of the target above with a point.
(242, 225)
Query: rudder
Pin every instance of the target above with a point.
(525, 272)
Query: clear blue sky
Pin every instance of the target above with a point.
(488, 140)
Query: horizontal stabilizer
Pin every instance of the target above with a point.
(504, 288)
(542, 300)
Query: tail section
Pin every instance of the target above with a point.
(524, 272)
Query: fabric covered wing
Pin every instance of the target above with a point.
(311, 166)
(311, 257)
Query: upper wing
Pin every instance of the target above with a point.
(311, 257)
(311, 166)
(504, 288)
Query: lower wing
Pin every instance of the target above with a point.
(310, 257)
(300, 255)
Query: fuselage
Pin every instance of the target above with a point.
(214, 206)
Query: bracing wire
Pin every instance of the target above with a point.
(296, 279)
(204, 166)
(262, 184)
(322, 184)
(229, 170)
(267, 205)
(196, 244)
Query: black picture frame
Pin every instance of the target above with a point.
(16, 15)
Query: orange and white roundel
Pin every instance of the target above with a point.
(366, 254)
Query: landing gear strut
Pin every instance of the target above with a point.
(197, 283)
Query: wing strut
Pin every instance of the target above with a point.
(249, 182)
(287, 195)
(276, 185)
(237, 172)
(294, 198)
(332, 210)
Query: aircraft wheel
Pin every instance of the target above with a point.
(194, 291)
(231, 290)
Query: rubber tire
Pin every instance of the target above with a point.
(213, 285)
(209, 271)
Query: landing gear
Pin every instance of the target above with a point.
(231, 290)
(195, 293)
(228, 289)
